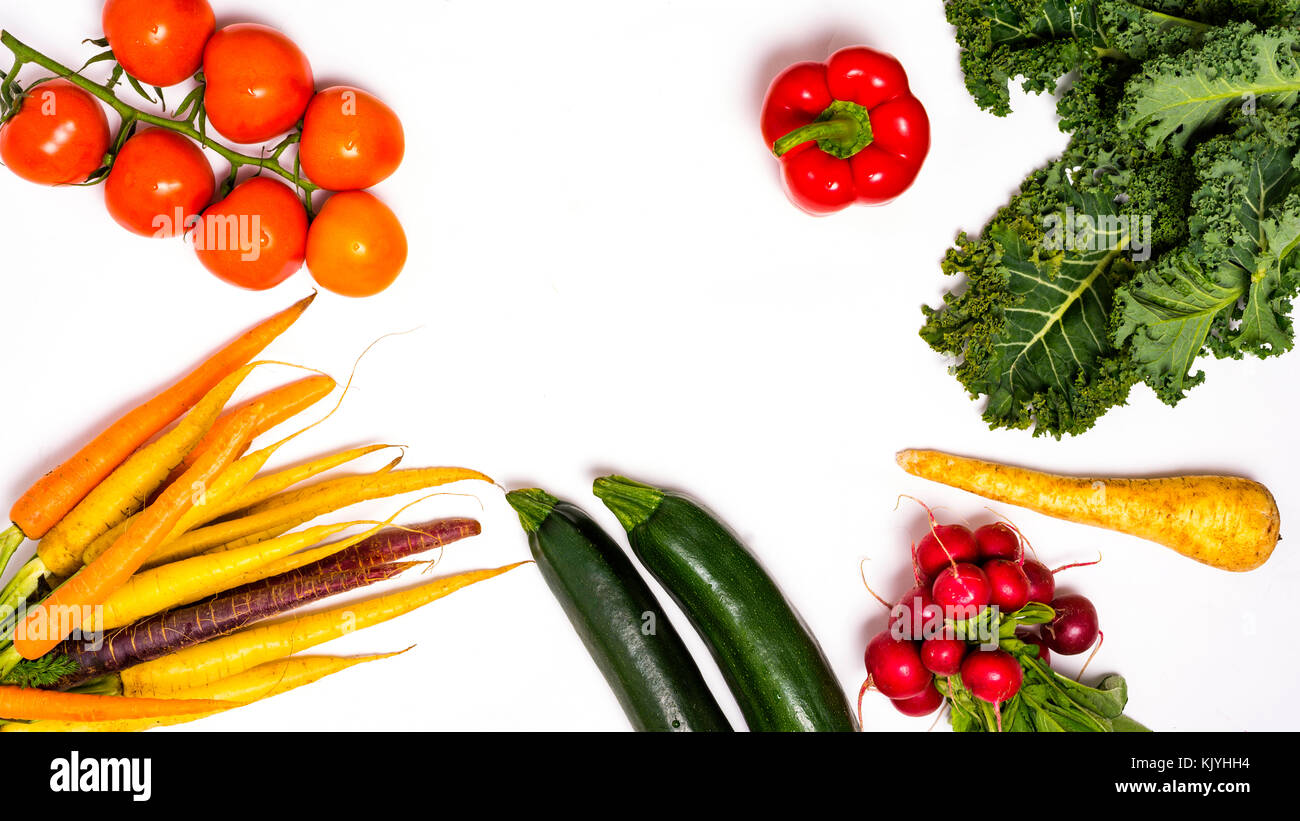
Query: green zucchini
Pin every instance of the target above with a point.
(771, 661)
(617, 617)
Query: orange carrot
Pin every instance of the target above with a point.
(57, 492)
(63, 611)
(31, 704)
(280, 404)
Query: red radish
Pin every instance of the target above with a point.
(1031, 637)
(924, 704)
(998, 541)
(992, 675)
(961, 585)
(1008, 584)
(942, 546)
(1042, 584)
(895, 667)
(1075, 627)
(942, 656)
(910, 617)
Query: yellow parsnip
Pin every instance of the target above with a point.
(1223, 521)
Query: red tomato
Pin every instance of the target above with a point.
(350, 140)
(258, 82)
(59, 135)
(254, 238)
(356, 246)
(158, 42)
(159, 183)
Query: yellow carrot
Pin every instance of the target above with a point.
(228, 493)
(49, 622)
(240, 487)
(1223, 521)
(266, 487)
(127, 488)
(306, 557)
(206, 663)
(281, 404)
(171, 585)
(275, 677)
(229, 483)
(57, 492)
(297, 560)
(317, 500)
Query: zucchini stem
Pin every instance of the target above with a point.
(632, 502)
(533, 506)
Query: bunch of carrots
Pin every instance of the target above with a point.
(163, 544)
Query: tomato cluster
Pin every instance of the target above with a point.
(258, 86)
(959, 574)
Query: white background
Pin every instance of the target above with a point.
(606, 276)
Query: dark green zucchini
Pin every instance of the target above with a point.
(771, 661)
(618, 618)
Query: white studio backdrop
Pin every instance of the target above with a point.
(605, 276)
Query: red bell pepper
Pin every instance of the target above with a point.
(847, 130)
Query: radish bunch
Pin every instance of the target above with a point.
(978, 630)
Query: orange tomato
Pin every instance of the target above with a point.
(159, 183)
(58, 136)
(350, 139)
(254, 238)
(258, 82)
(356, 246)
(158, 42)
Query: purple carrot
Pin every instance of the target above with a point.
(387, 545)
(165, 633)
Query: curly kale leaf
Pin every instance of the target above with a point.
(1152, 183)
(1043, 40)
(1184, 134)
(1032, 330)
(1170, 311)
(1229, 290)
(1174, 97)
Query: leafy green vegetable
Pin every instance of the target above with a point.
(1231, 287)
(41, 672)
(1042, 40)
(1177, 96)
(1047, 701)
(1165, 231)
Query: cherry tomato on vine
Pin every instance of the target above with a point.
(350, 139)
(159, 182)
(58, 136)
(258, 82)
(356, 246)
(254, 238)
(158, 42)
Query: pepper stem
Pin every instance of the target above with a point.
(842, 130)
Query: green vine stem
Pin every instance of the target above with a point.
(132, 116)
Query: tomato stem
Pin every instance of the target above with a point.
(132, 116)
